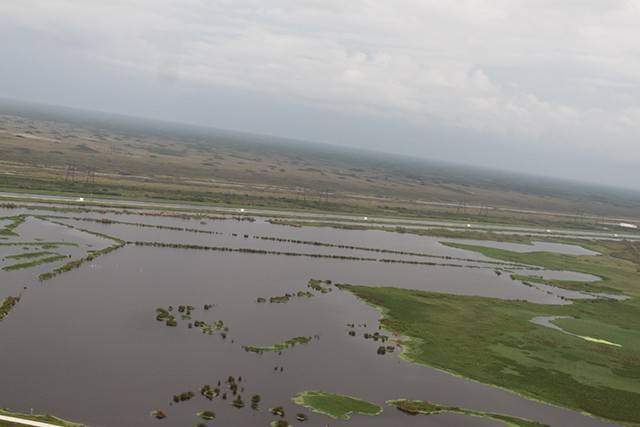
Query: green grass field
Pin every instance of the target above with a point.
(511, 352)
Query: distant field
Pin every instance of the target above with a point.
(59, 152)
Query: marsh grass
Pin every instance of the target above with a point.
(7, 305)
(31, 255)
(511, 352)
(279, 346)
(422, 407)
(9, 229)
(34, 263)
(336, 406)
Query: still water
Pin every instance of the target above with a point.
(86, 345)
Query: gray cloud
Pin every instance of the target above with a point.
(558, 79)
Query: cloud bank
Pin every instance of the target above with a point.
(537, 74)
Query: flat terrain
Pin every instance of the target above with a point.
(63, 151)
(260, 281)
(595, 370)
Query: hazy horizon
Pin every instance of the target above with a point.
(544, 89)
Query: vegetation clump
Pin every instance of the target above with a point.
(255, 402)
(278, 410)
(207, 415)
(183, 397)
(417, 407)
(158, 414)
(34, 263)
(163, 315)
(280, 299)
(279, 346)
(7, 305)
(31, 255)
(238, 402)
(336, 406)
(208, 392)
(316, 285)
(8, 230)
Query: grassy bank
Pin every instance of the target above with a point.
(50, 419)
(511, 352)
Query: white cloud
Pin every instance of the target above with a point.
(407, 59)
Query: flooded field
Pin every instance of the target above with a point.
(86, 344)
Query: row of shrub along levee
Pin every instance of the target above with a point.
(293, 241)
(120, 243)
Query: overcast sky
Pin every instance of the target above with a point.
(543, 86)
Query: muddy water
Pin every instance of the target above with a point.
(86, 344)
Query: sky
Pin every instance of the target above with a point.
(540, 86)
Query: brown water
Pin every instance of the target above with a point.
(86, 345)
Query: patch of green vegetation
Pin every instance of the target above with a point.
(50, 419)
(279, 346)
(7, 305)
(316, 285)
(158, 414)
(45, 245)
(416, 407)
(34, 263)
(8, 230)
(207, 415)
(31, 255)
(78, 262)
(336, 406)
(511, 352)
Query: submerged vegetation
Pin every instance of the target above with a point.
(30, 255)
(7, 305)
(71, 265)
(35, 262)
(8, 230)
(336, 406)
(417, 407)
(166, 315)
(279, 346)
(316, 285)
